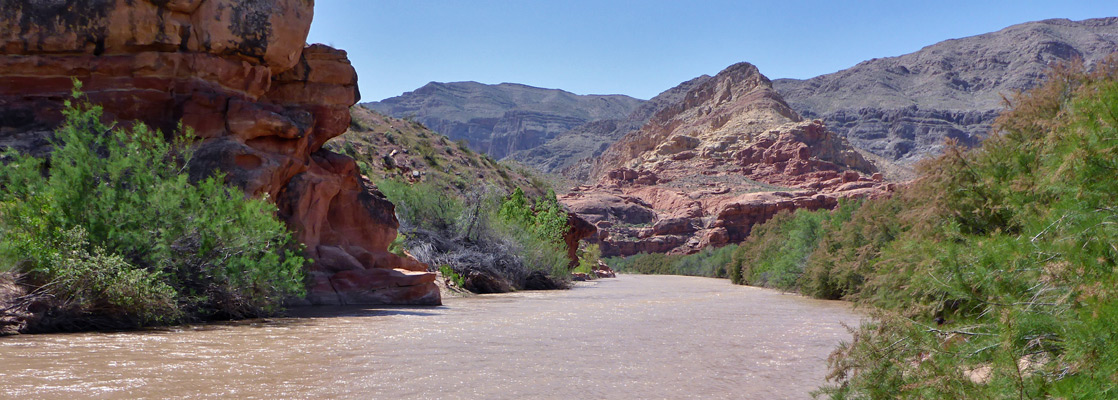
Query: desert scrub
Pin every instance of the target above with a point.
(588, 257)
(777, 251)
(113, 230)
(998, 280)
(709, 262)
(480, 231)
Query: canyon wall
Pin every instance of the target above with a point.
(239, 75)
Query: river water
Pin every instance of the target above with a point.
(631, 337)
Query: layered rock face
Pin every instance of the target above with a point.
(727, 155)
(237, 73)
(903, 108)
(503, 119)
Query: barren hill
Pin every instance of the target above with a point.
(902, 108)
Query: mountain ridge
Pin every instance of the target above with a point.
(503, 118)
(903, 107)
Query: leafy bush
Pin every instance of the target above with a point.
(539, 229)
(509, 237)
(112, 225)
(709, 262)
(777, 251)
(423, 205)
(588, 257)
(451, 276)
(995, 274)
(843, 260)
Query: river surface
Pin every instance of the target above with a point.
(632, 337)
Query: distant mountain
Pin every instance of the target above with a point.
(572, 153)
(902, 108)
(502, 119)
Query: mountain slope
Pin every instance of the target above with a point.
(392, 148)
(571, 153)
(727, 154)
(501, 119)
(903, 108)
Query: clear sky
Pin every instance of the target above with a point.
(643, 47)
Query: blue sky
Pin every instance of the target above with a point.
(640, 48)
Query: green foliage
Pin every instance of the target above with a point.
(534, 232)
(1000, 260)
(588, 257)
(540, 228)
(546, 220)
(777, 251)
(105, 284)
(451, 276)
(709, 262)
(114, 205)
(843, 259)
(422, 204)
(397, 246)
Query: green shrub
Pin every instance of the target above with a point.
(844, 258)
(397, 246)
(539, 228)
(709, 262)
(777, 251)
(1004, 260)
(531, 232)
(423, 204)
(453, 277)
(115, 204)
(588, 257)
(464, 146)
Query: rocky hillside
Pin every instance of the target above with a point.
(902, 108)
(501, 119)
(239, 74)
(727, 154)
(393, 148)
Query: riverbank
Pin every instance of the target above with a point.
(630, 337)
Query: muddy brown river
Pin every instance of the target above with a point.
(632, 337)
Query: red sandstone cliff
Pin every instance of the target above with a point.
(704, 170)
(238, 74)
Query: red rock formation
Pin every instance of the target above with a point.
(604, 271)
(702, 172)
(237, 73)
(577, 229)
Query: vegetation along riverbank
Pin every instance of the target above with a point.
(991, 275)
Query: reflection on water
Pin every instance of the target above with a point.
(631, 337)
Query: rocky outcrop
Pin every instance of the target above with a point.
(903, 108)
(503, 119)
(603, 271)
(577, 229)
(726, 156)
(237, 74)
